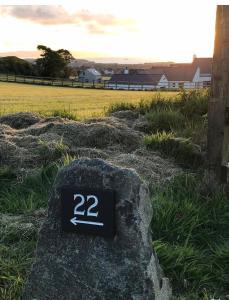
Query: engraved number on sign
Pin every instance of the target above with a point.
(78, 210)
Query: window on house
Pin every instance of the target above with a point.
(206, 83)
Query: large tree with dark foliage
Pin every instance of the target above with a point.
(15, 65)
(53, 63)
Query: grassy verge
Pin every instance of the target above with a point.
(26, 193)
(17, 247)
(20, 195)
(177, 126)
(182, 150)
(191, 228)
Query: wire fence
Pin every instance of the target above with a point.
(102, 84)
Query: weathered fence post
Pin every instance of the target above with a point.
(218, 110)
(96, 241)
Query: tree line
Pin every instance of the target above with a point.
(51, 63)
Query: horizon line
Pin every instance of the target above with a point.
(98, 59)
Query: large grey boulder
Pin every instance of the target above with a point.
(85, 267)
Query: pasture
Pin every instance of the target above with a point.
(83, 103)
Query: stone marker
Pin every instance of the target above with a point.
(76, 261)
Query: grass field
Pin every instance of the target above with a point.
(83, 103)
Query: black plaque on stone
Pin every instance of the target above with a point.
(88, 211)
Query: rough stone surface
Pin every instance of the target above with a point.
(75, 266)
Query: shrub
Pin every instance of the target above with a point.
(194, 103)
(143, 106)
(182, 150)
(64, 114)
(51, 151)
(114, 107)
(165, 120)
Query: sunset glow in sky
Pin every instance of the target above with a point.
(145, 30)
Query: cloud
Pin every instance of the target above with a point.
(42, 14)
(100, 19)
(57, 15)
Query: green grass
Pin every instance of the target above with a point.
(16, 253)
(80, 103)
(190, 103)
(165, 120)
(182, 150)
(21, 194)
(26, 193)
(191, 229)
(64, 114)
(183, 108)
(177, 126)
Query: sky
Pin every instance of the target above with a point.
(110, 30)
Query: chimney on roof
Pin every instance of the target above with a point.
(126, 71)
(194, 57)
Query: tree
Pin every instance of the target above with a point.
(53, 63)
(15, 65)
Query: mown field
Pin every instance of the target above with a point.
(82, 103)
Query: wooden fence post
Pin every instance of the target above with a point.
(218, 108)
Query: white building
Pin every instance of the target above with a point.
(137, 81)
(190, 75)
(184, 75)
(90, 75)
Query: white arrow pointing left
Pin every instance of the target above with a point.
(74, 221)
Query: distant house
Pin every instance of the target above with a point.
(204, 71)
(181, 75)
(90, 75)
(108, 72)
(189, 75)
(137, 81)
